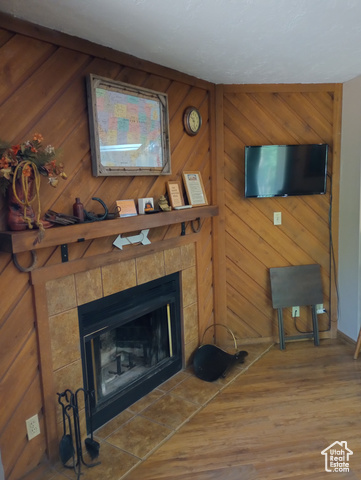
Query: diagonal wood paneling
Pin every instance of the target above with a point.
(42, 89)
(273, 115)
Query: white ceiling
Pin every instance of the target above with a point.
(222, 41)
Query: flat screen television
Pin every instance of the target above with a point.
(283, 170)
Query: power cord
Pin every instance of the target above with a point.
(332, 262)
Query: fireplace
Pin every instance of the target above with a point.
(130, 343)
(92, 278)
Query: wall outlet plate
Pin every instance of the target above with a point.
(319, 308)
(33, 427)
(295, 311)
(277, 218)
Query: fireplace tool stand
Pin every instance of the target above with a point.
(69, 402)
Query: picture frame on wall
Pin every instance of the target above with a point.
(194, 187)
(129, 129)
(175, 195)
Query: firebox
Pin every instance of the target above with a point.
(130, 344)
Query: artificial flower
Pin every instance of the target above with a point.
(21, 159)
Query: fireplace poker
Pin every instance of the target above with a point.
(66, 446)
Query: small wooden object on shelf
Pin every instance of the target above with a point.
(174, 189)
(78, 210)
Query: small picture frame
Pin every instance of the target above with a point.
(175, 196)
(195, 189)
(145, 204)
(126, 208)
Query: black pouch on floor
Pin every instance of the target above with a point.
(211, 362)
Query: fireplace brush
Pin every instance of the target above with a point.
(91, 445)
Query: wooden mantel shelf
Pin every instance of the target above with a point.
(16, 242)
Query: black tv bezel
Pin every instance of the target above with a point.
(284, 195)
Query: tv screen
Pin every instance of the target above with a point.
(282, 170)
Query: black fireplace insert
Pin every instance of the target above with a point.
(130, 344)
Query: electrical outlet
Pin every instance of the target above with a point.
(277, 218)
(319, 308)
(32, 427)
(295, 311)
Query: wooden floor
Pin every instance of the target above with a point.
(272, 422)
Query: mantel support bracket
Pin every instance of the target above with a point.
(64, 253)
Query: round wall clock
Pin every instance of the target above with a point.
(192, 120)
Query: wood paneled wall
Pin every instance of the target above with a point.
(42, 89)
(277, 114)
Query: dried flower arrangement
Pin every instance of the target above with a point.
(20, 168)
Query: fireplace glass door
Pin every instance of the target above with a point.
(123, 354)
(131, 342)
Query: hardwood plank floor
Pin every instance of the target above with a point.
(272, 422)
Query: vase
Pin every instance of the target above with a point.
(20, 213)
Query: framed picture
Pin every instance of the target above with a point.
(174, 189)
(195, 190)
(145, 204)
(129, 129)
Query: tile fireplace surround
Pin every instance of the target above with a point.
(66, 293)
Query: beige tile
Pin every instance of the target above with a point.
(190, 322)
(150, 267)
(188, 255)
(114, 463)
(196, 390)
(65, 342)
(68, 377)
(146, 401)
(189, 349)
(118, 277)
(139, 436)
(88, 286)
(114, 424)
(173, 260)
(189, 286)
(231, 374)
(61, 294)
(170, 411)
(174, 381)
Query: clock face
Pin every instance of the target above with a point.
(192, 120)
